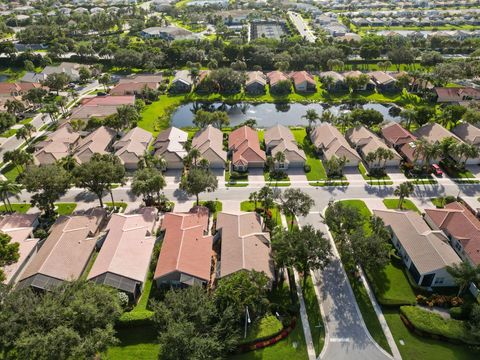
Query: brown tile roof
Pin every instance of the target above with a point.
(256, 77)
(101, 106)
(245, 146)
(186, 248)
(128, 247)
(396, 134)
(457, 94)
(429, 250)
(68, 248)
(97, 141)
(328, 138)
(367, 142)
(458, 221)
(58, 144)
(284, 139)
(210, 138)
(136, 141)
(468, 133)
(244, 245)
(381, 77)
(298, 77)
(171, 140)
(20, 228)
(434, 132)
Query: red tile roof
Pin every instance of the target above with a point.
(109, 100)
(276, 76)
(186, 248)
(245, 146)
(458, 221)
(457, 94)
(299, 77)
(396, 135)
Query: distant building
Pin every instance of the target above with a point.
(303, 81)
(383, 81)
(181, 83)
(256, 82)
(169, 33)
(456, 95)
(135, 85)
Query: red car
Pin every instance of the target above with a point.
(436, 170)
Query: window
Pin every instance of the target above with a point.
(458, 246)
(281, 165)
(439, 280)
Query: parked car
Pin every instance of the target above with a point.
(436, 170)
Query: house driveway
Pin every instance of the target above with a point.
(396, 174)
(347, 336)
(220, 175)
(256, 178)
(297, 176)
(353, 175)
(173, 177)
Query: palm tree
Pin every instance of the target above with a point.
(387, 155)
(327, 117)
(68, 162)
(192, 157)
(370, 158)
(253, 197)
(464, 273)
(7, 189)
(408, 116)
(279, 157)
(327, 82)
(25, 132)
(312, 117)
(403, 191)
(431, 152)
(466, 151)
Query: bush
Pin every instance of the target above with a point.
(135, 318)
(307, 168)
(449, 199)
(434, 324)
(458, 313)
(444, 301)
(210, 205)
(40, 234)
(123, 299)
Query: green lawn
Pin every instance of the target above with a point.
(416, 347)
(218, 207)
(243, 181)
(156, 116)
(11, 172)
(314, 316)
(317, 171)
(8, 133)
(391, 285)
(406, 205)
(138, 343)
(20, 208)
(266, 326)
(360, 205)
(89, 266)
(26, 121)
(120, 204)
(374, 180)
(250, 206)
(65, 208)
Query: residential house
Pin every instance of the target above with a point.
(435, 133)
(303, 81)
(56, 146)
(426, 253)
(101, 106)
(135, 85)
(123, 261)
(169, 33)
(333, 81)
(365, 142)
(401, 140)
(209, 141)
(256, 82)
(355, 74)
(97, 142)
(279, 138)
(468, 133)
(70, 69)
(330, 142)
(32, 77)
(274, 77)
(461, 227)
(244, 146)
(383, 81)
(170, 146)
(132, 146)
(456, 95)
(66, 252)
(186, 255)
(243, 244)
(20, 228)
(182, 82)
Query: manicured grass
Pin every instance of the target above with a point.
(391, 285)
(11, 172)
(317, 171)
(218, 207)
(65, 208)
(360, 205)
(250, 206)
(156, 116)
(406, 205)
(8, 133)
(266, 326)
(416, 347)
(120, 204)
(89, 266)
(26, 121)
(374, 180)
(243, 181)
(19, 208)
(314, 316)
(138, 343)
(433, 323)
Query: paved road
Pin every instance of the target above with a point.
(347, 337)
(301, 26)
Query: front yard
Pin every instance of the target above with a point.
(406, 205)
(374, 180)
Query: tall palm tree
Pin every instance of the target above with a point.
(279, 157)
(464, 273)
(253, 197)
(403, 191)
(312, 117)
(327, 117)
(68, 162)
(7, 189)
(193, 156)
(370, 158)
(431, 152)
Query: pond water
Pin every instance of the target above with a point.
(267, 114)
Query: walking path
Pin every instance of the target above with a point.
(347, 336)
(303, 308)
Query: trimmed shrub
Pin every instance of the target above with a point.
(307, 168)
(133, 319)
(426, 322)
(457, 313)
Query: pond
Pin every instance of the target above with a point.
(267, 114)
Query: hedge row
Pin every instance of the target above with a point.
(427, 323)
(135, 318)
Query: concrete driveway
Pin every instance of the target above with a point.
(347, 337)
(297, 176)
(256, 178)
(173, 177)
(220, 175)
(353, 175)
